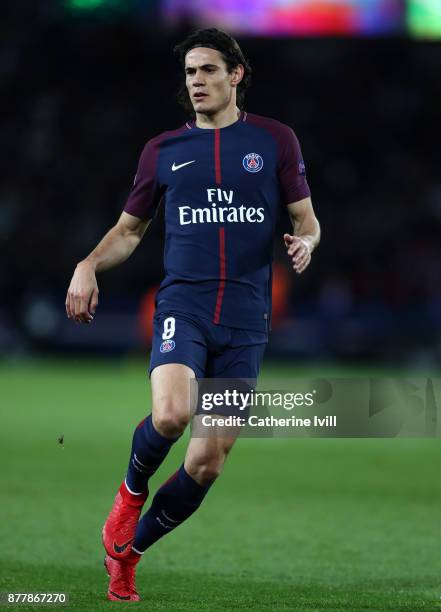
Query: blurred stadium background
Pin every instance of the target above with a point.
(84, 83)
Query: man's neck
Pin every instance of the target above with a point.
(221, 119)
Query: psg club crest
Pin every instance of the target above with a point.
(167, 346)
(253, 162)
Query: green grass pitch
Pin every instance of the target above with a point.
(292, 524)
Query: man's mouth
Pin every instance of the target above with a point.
(199, 95)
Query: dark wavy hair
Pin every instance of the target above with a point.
(231, 54)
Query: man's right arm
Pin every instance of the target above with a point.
(116, 246)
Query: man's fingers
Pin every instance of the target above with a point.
(303, 267)
(77, 305)
(296, 244)
(66, 304)
(82, 295)
(84, 306)
(301, 257)
(82, 314)
(300, 265)
(84, 310)
(93, 301)
(287, 238)
(300, 254)
(299, 247)
(70, 313)
(295, 247)
(71, 306)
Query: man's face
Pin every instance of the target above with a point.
(209, 84)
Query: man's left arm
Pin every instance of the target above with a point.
(306, 234)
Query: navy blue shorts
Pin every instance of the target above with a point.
(211, 351)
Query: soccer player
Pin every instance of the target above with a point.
(224, 176)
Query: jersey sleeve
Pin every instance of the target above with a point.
(291, 169)
(146, 192)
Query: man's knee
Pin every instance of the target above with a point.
(169, 419)
(205, 469)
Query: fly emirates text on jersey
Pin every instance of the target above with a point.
(218, 212)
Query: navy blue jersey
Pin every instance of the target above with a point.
(223, 189)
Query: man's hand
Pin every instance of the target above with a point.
(82, 295)
(116, 246)
(300, 251)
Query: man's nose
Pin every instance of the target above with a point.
(198, 79)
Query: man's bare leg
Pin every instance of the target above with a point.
(205, 457)
(171, 398)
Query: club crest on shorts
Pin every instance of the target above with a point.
(167, 346)
(252, 162)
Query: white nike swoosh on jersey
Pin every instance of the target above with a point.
(175, 167)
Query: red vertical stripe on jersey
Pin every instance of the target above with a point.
(220, 291)
(217, 160)
(221, 288)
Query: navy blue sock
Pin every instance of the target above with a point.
(149, 449)
(173, 503)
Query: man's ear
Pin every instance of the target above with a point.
(237, 75)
